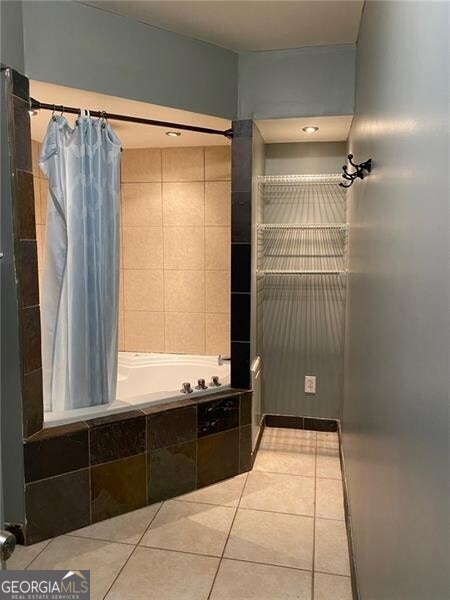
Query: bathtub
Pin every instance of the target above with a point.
(144, 379)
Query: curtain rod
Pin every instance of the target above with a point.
(36, 105)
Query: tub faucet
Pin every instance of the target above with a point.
(201, 385)
(221, 359)
(186, 388)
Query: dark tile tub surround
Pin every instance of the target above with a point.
(115, 464)
(172, 471)
(218, 457)
(55, 451)
(118, 436)
(57, 505)
(241, 238)
(118, 487)
(25, 248)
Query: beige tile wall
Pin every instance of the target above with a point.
(176, 212)
(40, 206)
(175, 248)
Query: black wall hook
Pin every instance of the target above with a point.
(358, 174)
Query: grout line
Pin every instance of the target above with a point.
(295, 474)
(314, 523)
(38, 554)
(228, 537)
(98, 539)
(131, 554)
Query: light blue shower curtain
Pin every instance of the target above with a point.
(81, 271)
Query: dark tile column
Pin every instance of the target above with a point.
(241, 238)
(25, 251)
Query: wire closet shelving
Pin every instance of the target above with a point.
(302, 227)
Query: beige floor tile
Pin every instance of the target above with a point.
(127, 528)
(103, 559)
(163, 575)
(217, 328)
(218, 286)
(183, 164)
(275, 438)
(329, 499)
(238, 580)
(184, 248)
(273, 538)
(218, 203)
(332, 587)
(328, 464)
(224, 493)
(217, 163)
(327, 441)
(142, 247)
(184, 203)
(297, 462)
(141, 204)
(331, 547)
(279, 493)
(141, 164)
(143, 290)
(185, 333)
(184, 291)
(190, 527)
(23, 555)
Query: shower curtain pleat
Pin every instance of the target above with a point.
(80, 299)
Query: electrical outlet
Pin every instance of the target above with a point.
(310, 384)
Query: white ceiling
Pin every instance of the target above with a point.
(131, 135)
(249, 25)
(331, 129)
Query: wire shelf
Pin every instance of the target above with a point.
(299, 179)
(301, 249)
(299, 272)
(342, 226)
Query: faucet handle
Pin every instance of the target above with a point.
(186, 388)
(201, 385)
(215, 381)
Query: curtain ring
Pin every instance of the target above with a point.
(62, 110)
(103, 119)
(53, 113)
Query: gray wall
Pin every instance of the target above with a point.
(11, 34)
(396, 394)
(79, 46)
(297, 83)
(305, 158)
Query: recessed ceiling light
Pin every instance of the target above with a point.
(310, 129)
(173, 133)
(32, 112)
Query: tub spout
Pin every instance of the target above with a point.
(221, 359)
(215, 381)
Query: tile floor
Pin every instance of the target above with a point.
(276, 533)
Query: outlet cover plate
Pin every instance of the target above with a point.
(310, 384)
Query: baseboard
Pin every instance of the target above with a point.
(348, 522)
(291, 422)
(262, 426)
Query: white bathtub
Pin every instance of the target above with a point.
(144, 379)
